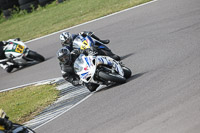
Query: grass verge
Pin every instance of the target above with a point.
(55, 17)
(23, 104)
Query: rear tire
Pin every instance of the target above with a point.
(114, 77)
(44, 2)
(29, 6)
(22, 2)
(35, 56)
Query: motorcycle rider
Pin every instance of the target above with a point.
(2, 55)
(3, 63)
(68, 38)
(5, 124)
(67, 60)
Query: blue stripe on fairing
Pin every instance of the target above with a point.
(82, 75)
(101, 46)
(86, 59)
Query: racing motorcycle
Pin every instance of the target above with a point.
(19, 55)
(100, 70)
(17, 128)
(86, 42)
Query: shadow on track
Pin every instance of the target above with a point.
(133, 77)
(126, 56)
(24, 67)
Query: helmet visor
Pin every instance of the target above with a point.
(67, 41)
(65, 58)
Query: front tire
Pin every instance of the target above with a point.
(127, 72)
(35, 56)
(114, 77)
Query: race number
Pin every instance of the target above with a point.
(19, 49)
(85, 45)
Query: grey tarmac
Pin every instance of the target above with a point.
(160, 43)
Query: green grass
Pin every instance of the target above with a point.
(56, 17)
(23, 104)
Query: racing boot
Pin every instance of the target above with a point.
(103, 41)
(4, 66)
(11, 67)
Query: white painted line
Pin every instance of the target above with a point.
(56, 78)
(65, 111)
(92, 21)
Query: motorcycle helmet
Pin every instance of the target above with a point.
(66, 39)
(2, 114)
(64, 55)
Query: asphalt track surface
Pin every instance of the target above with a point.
(160, 43)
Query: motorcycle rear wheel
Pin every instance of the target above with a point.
(114, 77)
(35, 56)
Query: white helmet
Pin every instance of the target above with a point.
(2, 114)
(66, 39)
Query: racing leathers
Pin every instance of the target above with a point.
(68, 73)
(5, 123)
(98, 43)
(67, 70)
(3, 61)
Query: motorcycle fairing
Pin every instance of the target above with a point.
(85, 66)
(83, 43)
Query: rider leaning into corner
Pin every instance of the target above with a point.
(68, 38)
(67, 56)
(67, 60)
(3, 64)
(5, 124)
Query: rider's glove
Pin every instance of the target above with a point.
(90, 52)
(77, 82)
(75, 51)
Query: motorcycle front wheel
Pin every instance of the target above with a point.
(35, 56)
(127, 72)
(114, 77)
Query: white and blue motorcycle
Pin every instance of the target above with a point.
(100, 70)
(86, 42)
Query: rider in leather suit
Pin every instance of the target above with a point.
(4, 122)
(3, 57)
(67, 60)
(68, 38)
